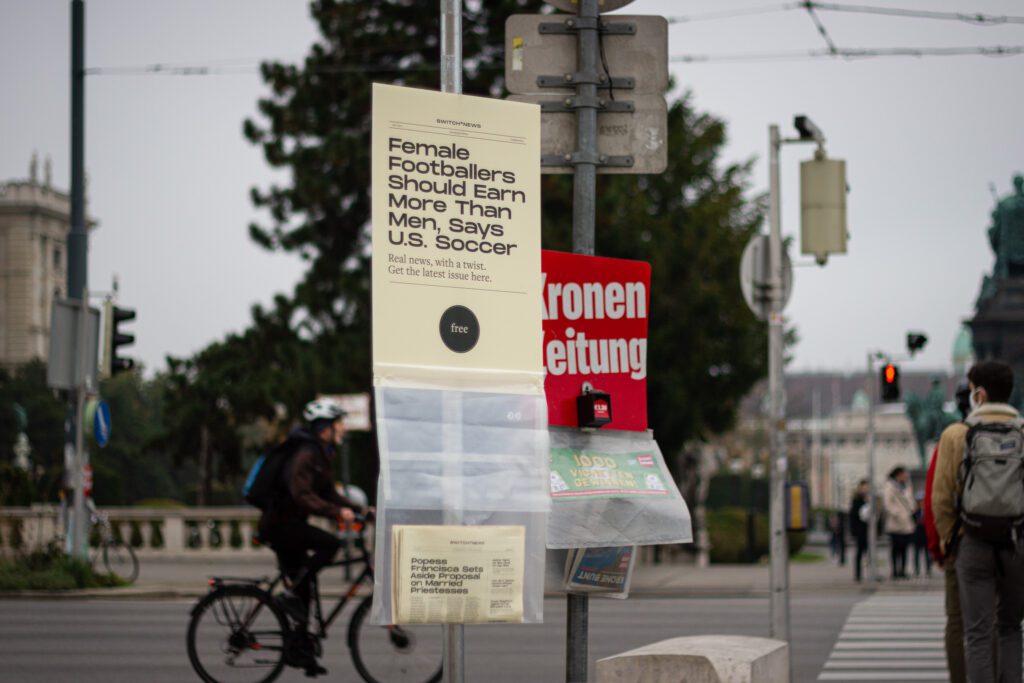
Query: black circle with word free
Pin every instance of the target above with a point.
(460, 330)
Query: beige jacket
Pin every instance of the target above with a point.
(946, 488)
(899, 507)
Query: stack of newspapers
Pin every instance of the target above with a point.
(600, 570)
(457, 574)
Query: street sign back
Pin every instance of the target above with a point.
(531, 53)
(755, 276)
(62, 370)
(641, 134)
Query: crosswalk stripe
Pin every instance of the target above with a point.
(891, 637)
(885, 676)
(888, 645)
(855, 655)
(902, 664)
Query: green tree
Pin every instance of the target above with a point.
(25, 386)
(133, 466)
(691, 223)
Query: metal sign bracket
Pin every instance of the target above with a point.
(569, 105)
(576, 24)
(578, 158)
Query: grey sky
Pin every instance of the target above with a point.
(169, 171)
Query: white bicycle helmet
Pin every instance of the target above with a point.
(323, 409)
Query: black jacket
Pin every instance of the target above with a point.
(858, 527)
(307, 486)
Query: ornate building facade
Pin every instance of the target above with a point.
(34, 225)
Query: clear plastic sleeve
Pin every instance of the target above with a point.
(456, 457)
(635, 503)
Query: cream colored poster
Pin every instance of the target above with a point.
(456, 232)
(457, 574)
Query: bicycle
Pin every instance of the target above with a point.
(119, 558)
(238, 632)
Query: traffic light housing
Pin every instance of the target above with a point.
(890, 383)
(916, 341)
(115, 339)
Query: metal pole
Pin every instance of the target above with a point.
(78, 246)
(584, 198)
(584, 203)
(80, 538)
(454, 638)
(779, 549)
(818, 497)
(872, 513)
(78, 249)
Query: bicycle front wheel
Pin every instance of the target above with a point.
(394, 654)
(120, 560)
(237, 635)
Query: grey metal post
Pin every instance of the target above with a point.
(78, 246)
(80, 538)
(777, 391)
(584, 198)
(872, 513)
(78, 250)
(584, 202)
(454, 638)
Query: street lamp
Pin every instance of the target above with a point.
(808, 133)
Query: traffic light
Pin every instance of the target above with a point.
(890, 383)
(115, 338)
(916, 342)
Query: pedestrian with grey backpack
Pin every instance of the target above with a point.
(978, 505)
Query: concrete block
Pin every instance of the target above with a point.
(700, 659)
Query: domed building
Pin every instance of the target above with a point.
(963, 352)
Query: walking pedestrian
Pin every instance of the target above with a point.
(837, 541)
(899, 505)
(977, 501)
(859, 514)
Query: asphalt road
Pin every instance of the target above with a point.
(115, 641)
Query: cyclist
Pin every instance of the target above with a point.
(307, 488)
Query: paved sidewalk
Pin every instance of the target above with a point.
(161, 577)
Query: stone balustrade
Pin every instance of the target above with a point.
(163, 531)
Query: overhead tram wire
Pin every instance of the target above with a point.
(240, 69)
(791, 55)
(852, 54)
(728, 14)
(821, 29)
(976, 18)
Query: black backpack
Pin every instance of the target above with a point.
(266, 476)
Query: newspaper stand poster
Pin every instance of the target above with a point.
(595, 312)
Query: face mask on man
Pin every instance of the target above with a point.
(974, 402)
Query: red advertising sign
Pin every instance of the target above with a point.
(595, 330)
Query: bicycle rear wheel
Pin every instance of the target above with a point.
(237, 635)
(120, 560)
(394, 654)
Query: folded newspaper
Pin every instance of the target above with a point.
(600, 570)
(457, 574)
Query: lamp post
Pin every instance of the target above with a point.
(808, 132)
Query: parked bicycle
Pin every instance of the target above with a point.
(118, 557)
(238, 632)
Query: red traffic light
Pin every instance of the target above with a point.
(890, 383)
(890, 373)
